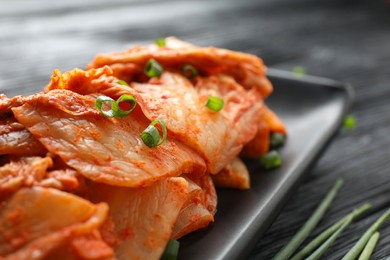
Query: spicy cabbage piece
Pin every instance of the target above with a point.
(15, 139)
(193, 217)
(24, 171)
(217, 136)
(199, 209)
(35, 222)
(248, 70)
(275, 123)
(84, 247)
(235, 175)
(260, 144)
(142, 218)
(18, 172)
(103, 149)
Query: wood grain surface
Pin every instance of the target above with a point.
(345, 40)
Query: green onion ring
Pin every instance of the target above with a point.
(189, 71)
(160, 42)
(100, 100)
(171, 250)
(153, 69)
(277, 140)
(151, 136)
(122, 82)
(271, 160)
(215, 103)
(125, 98)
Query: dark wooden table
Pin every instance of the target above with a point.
(344, 40)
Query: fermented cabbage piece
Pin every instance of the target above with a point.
(25, 171)
(15, 139)
(180, 103)
(21, 172)
(86, 247)
(235, 176)
(35, 222)
(58, 140)
(142, 217)
(248, 70)
(276, 125)
(260, 144)
(218, 137)
(6, 104)
(103, 149)
(193, 217)
(199, 209)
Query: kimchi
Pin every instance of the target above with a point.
(113, 161)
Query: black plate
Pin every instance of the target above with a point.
(312, 109)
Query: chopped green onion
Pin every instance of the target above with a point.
(369, 248)
(215, 103)
(101, 101)
(322, 249)
(128, 99)
(189, 71)
(122, 82)
(310, 224)
(298, 71)
(115, 110)
(271, 160)
(277, 140)
(171, 250)
(315, 243)
(151, 136)
(354, 252)
(153, 68)
(160, 42)
(350, 122)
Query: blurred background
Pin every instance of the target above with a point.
(333, 38)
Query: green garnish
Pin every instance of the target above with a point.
(316, 242)
(271, 160)
(321, 250)
(122, 82)
(153, 68)
(354, 252)
(189, 71)
(128, 99)
(151, 136)
(350, 122)
(160, 42)
(171, 250)
(114, 110)
(277, 140)
(311, 223)
(298, 71)
(215, 103)
(369, 248)
(101, 102)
